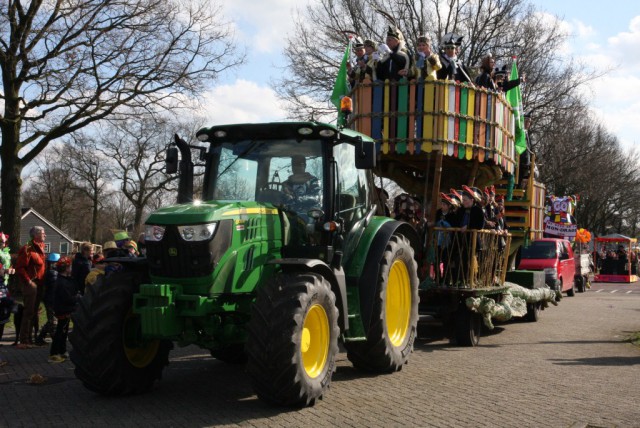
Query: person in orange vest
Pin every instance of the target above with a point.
(30, 268)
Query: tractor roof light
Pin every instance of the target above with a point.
(346, 105)
(305, 131)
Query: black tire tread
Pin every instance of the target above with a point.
(98, 351)
(377, 354)
(274, 334)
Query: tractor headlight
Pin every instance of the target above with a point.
(153, 233)
(197, 232)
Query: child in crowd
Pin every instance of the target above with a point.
(65, 301)
(50, 279)
(99, 265)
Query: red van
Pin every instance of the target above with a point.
(555, 258)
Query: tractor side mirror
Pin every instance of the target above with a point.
(365, 154)
(172, 160)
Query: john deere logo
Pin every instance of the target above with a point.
(173, 252)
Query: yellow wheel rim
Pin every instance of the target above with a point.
(398, 304)
(139, 353)
(314, 343)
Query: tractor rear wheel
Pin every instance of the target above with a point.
(293, 339)
(395, 312)
(109, 355)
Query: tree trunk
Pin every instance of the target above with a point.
(94, 218)
(11, 199)
(137, 223)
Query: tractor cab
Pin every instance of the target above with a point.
(317, 176)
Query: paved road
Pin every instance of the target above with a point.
(571, 369)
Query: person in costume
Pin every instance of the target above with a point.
(426, 63)
(445, 218)
(397, 64)
(485, 78)
(470, 217)
(452, 66)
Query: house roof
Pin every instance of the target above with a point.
(26, 211)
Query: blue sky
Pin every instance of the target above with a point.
(604, 33)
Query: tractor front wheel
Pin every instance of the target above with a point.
(109, 354)
(293, 339)
(395, 312)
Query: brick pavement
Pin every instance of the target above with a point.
(572, 368)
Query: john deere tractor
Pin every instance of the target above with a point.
(281, 257)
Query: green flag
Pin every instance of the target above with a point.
(515, 99)
(341, 87)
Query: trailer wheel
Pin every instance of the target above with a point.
(395, 312)
(533, 311)
(293, 339)
(109, 354)
(468, 327)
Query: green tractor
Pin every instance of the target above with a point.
(283, 256)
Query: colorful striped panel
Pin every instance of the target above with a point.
(421, 118)
(393, 108)
(403, 107)
(412, 118)
(376, 120)
(365, 107)
(385, 126)
(470, 123)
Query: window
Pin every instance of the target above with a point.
(47, 247)
(64, 248)
(352, 185)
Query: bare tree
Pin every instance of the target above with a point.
(50, 190)
(89, 171)
(69, 63)
(136, 147)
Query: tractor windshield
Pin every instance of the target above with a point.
(287, 173)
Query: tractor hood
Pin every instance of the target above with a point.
(206, 212)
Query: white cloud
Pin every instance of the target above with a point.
(241, 102)
(626, 45)
(264, 24)
(616, 103)
(583, 30)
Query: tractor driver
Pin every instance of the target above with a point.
(301, 186)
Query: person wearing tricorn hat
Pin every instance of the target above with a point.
(397, 64)
(357, 73)
(372, 58)
(452, 66)
(425, 63)
(501, 82)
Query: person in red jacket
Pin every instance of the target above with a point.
(30, 269)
